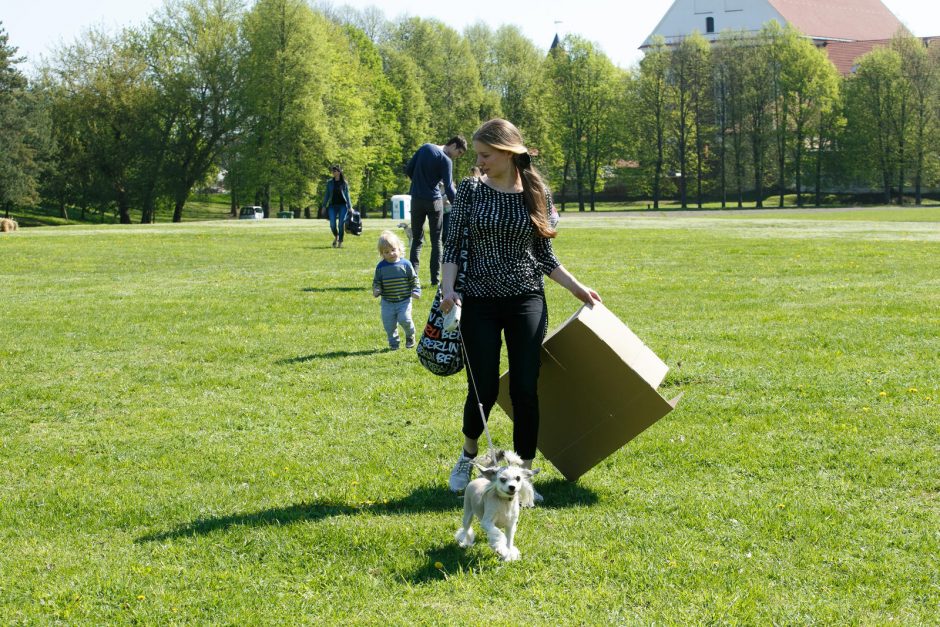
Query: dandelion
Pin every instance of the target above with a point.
(780, 506)
(439, 565)
(912, 390)
(141, 597)
(882, 393)
(866, 409)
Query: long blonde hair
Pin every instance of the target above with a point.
(503, 135)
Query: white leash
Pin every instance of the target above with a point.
(466, 360)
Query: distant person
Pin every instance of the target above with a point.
(337, 204)
(396, 282)
(431, 164)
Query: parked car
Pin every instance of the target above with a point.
(251, 213)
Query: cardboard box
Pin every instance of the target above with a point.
(597, 390)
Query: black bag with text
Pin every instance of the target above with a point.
(439, 350)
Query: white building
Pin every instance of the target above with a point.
(830, 23)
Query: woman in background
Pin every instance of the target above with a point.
(337, 204)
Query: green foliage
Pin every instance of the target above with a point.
(22, 132)
(187, 436)
(268, 96)
(447, 72)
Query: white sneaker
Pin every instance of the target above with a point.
(460, 475)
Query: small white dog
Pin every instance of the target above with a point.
(496, 498)
(407, 229)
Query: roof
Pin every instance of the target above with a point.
(840, 19)
(845, 54)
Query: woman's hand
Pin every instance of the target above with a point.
(448, 300)
(585, 294)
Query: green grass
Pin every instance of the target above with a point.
(199, 424)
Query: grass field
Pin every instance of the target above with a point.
(199, 424)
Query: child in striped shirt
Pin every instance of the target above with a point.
(397, 283)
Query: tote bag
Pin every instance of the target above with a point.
(440, 351)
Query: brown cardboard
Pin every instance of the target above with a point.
(597, 390)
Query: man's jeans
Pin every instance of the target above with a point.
(433, 210)
(394, 314)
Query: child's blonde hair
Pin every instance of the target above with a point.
(388, 242)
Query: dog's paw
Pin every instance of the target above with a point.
(465, 538)
(513, 555)
(502, 551)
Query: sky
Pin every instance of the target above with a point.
(617, 26)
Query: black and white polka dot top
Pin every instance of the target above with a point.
(507, 256)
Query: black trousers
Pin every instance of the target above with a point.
(433, 211)
(523, 320)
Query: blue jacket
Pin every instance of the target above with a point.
(328, 197)
(428, 167)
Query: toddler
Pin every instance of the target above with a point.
(397, 283)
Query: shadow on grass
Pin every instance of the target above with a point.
(338, 288)
(446, 561)
(558, 493)
(423, 499)
(331, 355)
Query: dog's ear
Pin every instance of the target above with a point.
(531, 472)
(489, 472)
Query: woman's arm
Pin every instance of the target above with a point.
(565, 279)
(449, 297)
(329, 192)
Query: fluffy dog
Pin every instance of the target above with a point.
(496, 498)
(407, 229)
(7, 225)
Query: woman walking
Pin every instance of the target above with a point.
(337, 204)
(507, 214)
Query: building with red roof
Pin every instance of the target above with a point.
(846, 29)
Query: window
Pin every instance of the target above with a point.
(709, 25)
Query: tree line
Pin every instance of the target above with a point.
(271, 95)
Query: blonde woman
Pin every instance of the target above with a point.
(507, 214)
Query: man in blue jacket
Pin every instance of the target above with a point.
(429, 166)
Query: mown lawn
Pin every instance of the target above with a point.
(199, 424)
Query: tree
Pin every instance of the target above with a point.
(653, 91)
(284, 94)
(414, 116)
(809, 85)
(582, 101)
(874, 107)
(21, 132)
(194, 51)
(759, 66)
(447, 72)
(381, 144)
(98, 84)
(919, 80)
(688, 81)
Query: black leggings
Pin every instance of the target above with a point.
(523, 319)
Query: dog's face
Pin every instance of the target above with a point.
(509, 480)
